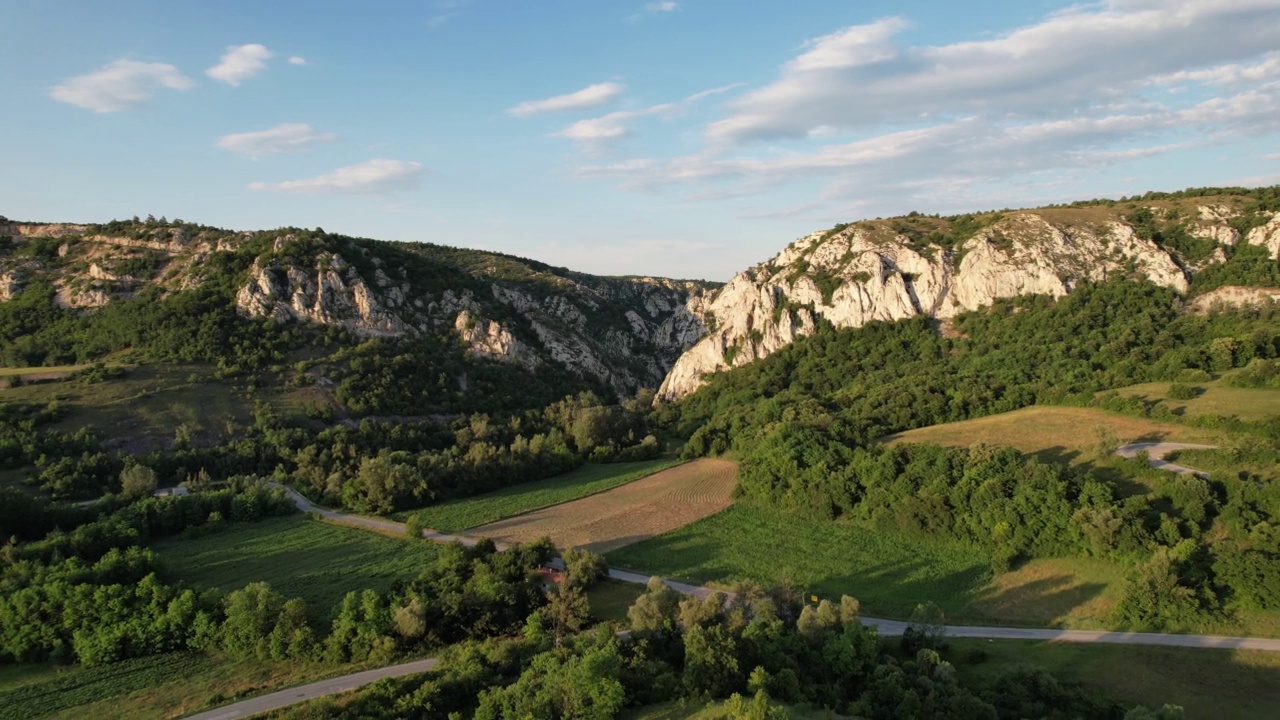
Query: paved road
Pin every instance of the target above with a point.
(332, 686)
(1157, 451)
(885, 627)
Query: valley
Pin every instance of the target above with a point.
(920, 413)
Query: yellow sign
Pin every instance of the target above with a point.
(813, 598)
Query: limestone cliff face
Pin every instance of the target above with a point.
(1233, 296)
(890, 270)
(624, 332)
(1268, 236)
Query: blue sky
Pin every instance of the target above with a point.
(689, 138)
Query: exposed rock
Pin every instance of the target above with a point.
(1233, 296)
(9, 287)
(1267, 236)
(862, 273)
(331, 293)
(490, 340)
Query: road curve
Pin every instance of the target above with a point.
(1156, 452)
(886, 626)
(332, 686)
(889, 628)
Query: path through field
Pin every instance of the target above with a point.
(1156, 452)
(633, 512)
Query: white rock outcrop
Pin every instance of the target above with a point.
(1234, 296)
(862, 273)
(1268, 236)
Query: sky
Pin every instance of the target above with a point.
(683, 138)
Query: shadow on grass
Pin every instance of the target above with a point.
(1041, 602)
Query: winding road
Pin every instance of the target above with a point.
(1156, 452)
(284, 698)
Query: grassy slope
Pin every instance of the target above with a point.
(1054, 434)
(153, 400)
(1206, 683)
(316, 561)
(509, 502)
(888, 574)
(161, 686)
(610, 599)
(1217, 399)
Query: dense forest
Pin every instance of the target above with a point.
(804, 423)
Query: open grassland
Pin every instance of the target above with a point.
(889, 574)
(152, 401)
(1057, 592)
(1217, 399)
(316, 561)
(509, 502)
(610, 599)
(1223, 465)
(162, 686)
(701, 710)
(1054, 433)
(1206, 683)
(627, 514)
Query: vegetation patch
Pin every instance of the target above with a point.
(889, 573)
(316, 561)
(481, 509)
(1206, 682)
(631, 513)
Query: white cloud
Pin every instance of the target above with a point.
(239, 63)
(659, 7)
(588, 97)
(857, 77)
(372, 177)
(859, 121)
(283, 138)
(1271, 156)
(595, 133)
(295, 60)
(119, 85)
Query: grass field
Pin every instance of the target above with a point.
(1053, 433)
(630, 513)
(587, 480)
(51, 371)
(610, 600)
(152, 401)
(1206, 683)
(889, 574)
(314, 560)
(163, 686)
(1217, 399)
(1058, 592)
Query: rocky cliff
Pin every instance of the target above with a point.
(623, 332)
(899, 268)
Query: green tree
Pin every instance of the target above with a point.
(137, 481)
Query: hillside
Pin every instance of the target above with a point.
(621, 333)
(891, 269)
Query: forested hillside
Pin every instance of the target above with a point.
(805, 423)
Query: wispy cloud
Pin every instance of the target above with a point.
(119, 85)
(865, 116)
(295, 60)
(284, 138)
(654, 8)
(594, 133)
(372, 177)
(445, 10)
(859, 77)
(588, 97)
(239, 63)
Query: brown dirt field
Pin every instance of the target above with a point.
(633, 512)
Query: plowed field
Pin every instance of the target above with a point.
(636, 511)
